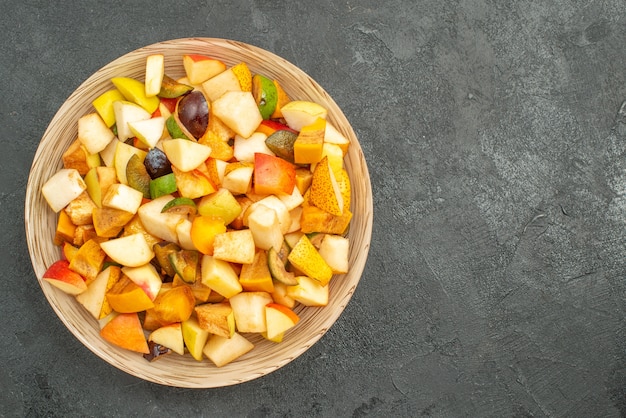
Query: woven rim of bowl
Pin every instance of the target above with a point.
(184, 371)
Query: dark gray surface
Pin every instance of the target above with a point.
(495, 284)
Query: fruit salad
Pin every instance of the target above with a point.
(195, 212)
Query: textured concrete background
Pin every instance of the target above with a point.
(495, 285)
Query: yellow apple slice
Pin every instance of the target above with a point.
(184, 154)
(131, 250)
(335, 250)
(135, 91)
(104, 105)
(220, 276)
(249, 310)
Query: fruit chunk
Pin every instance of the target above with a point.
(203, 232)
(63, 187)
(281, 100)
(324, 191)
(277, 269)
(200, 68)
(220, 276)
(192, 112)
(158, 223)
(94, 133)
(123, 154)
(104, 105)
(265, 95)
(185, 155)
(109, 222)
(309, 292)
(131, 250)
(126, 112)
(185, 264)
(249, 311)
(125, 331)
(314, 219)
(264, 226)
(281, 143)
(245, 148)
(155, 70)
(279, 319)
(256, 276)
(175, 305)
(98, 180)
(163, 186)
(217, 318)
(148, 131)
(93, 298)
(146, 277)
(156, 163)
(60, 276)
(238, 111)
(305, 257)
(335, 249)
(122, 197)
(170, 336)
(126, 297)
(221, 204)
(65, 229)
(234, 246)
(221, 350)
(172, 89)
(195, 337)
(194, 183)
(135, 91)
(217, 86)
(238, 177)
(273, 175)
(309, 144)
(300, 113)
(88, 260)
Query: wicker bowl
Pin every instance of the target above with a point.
(175, 370)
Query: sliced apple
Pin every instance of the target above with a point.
(104, 105)
(265, 228)
(93, 298)
(94, 133)
(126, 112)
(238, 177)
(131, 250)
(239, 111)
(98, 180)
(135, 91)
(146, 277)
(282, 212)
(157, 223)
(184, 154)
(333, 136)
(309, 292)
(216, 86)
(221, 350)
(122, 197)
(170, 336)
(335, 250)
(249, 310)
(220, 276)
(279, 319)
(148, 131)
(200, 68)
(63, 187)
(155, 70)
(60, 276)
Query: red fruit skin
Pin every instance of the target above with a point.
(60, 270)
(273, 175)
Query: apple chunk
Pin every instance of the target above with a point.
(184, 154)
(279, 319)
(239, 111)
(249, 310)
(63, 187)
(60, 276)
(170, 336)
(221, 350)
(131, 250)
